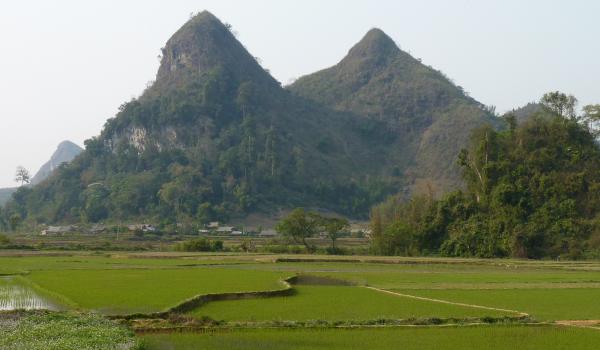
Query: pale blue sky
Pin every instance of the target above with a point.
(66, 66)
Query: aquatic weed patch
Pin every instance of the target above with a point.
(63, 331)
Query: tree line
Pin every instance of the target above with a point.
(300, 225)
(531, 190)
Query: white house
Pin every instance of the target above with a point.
(213, 225)
(56, 230)
(142, 227)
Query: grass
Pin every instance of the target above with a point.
(124, 283)
(62, 331)
(334, 303)
(442, 275)
(448, 338)
(123, 291)
(542, 304)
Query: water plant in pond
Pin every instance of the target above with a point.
(62, 331)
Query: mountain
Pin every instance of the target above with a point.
(5, 194)
(65, 153)
(216, 135)
(430, 117)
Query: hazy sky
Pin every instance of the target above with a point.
(66, 66)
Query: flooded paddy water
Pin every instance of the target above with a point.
(16, 296)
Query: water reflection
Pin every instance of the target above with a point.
(15, 296)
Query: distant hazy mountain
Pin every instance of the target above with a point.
(65, 153)
(5, 194)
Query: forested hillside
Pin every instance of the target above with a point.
(532, 191)
(216, 136)
(429, 117)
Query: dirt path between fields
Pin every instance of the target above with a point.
(519, 313)
(591, 324)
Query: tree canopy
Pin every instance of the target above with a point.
(531, 191)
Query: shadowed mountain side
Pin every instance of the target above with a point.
(429, 117)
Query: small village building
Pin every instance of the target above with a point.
(97, 228)
(225, 229)
(58, 230)
(142, 227)
(213, 225)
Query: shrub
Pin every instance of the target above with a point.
(200, 245)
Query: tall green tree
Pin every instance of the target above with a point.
(334, 227)
(14, 221)
(591, 116)
(300, 225)
(560, 103)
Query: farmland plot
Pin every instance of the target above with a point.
(122, 291)
(408, 338)
(335, 303)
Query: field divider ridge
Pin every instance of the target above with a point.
(199, 300)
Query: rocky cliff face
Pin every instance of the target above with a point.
(201, 45)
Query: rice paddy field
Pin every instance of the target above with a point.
(335, 303)
(449, 338)
(244, 301)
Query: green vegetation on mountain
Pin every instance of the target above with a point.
(5, 194)
(522, 114)
(216, 136)
(426, 116)
(531, 191)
